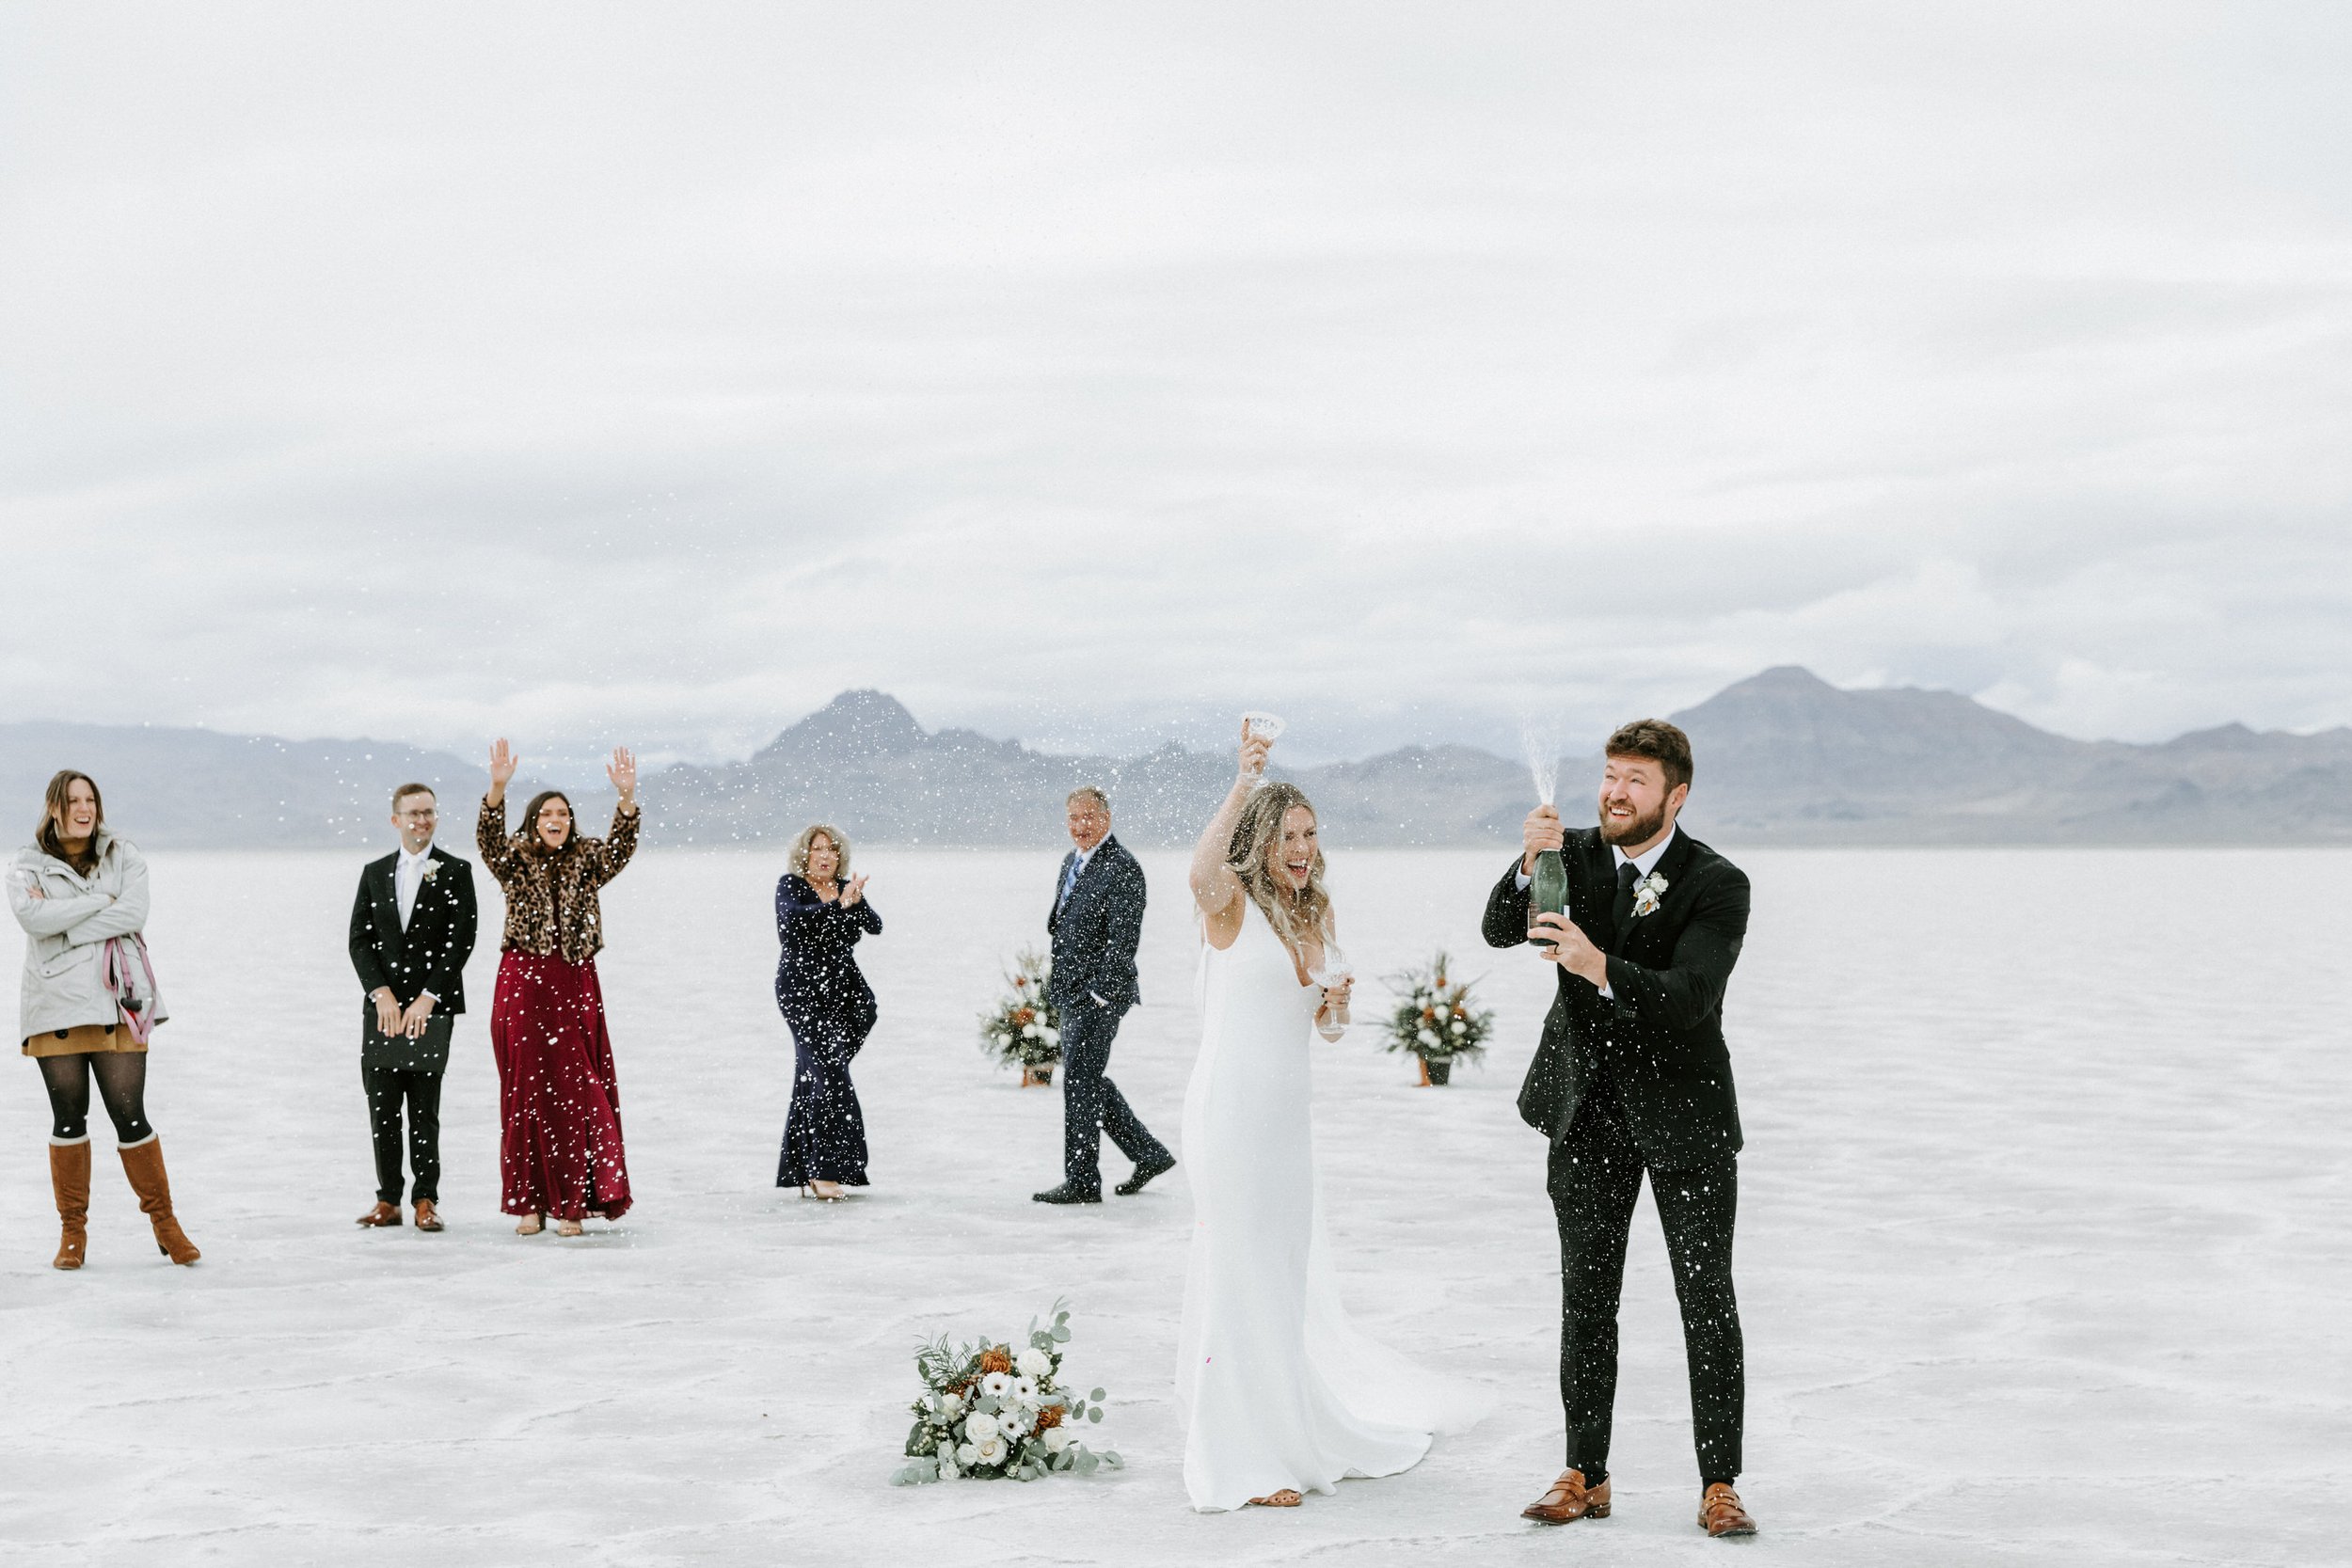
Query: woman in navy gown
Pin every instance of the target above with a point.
(821, 912)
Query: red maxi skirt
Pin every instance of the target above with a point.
(560, 1152)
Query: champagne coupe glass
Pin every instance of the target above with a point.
(1334, 971)
(1267, 727)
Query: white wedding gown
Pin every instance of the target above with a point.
(1277, 1388)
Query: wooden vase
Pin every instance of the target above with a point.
(1038, 1075)
(1436, 1074)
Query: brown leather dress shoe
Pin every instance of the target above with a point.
(383, 1213)
(428, 1217)
(1568, 1500)
(1720, 1512)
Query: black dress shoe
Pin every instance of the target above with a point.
(1145, 1171)
(1068, 1193)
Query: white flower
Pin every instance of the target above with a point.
(1033, 1362)
(1050, 1036)
(997, 1386)
(979, 1427)
(1028, 1031)
(1025, 1390)
(967, 1454)
(1460, 1027)
(993, 1451)
(1056, 1439)
(1426, 1036)
(1002, 1040)
(1014, 1422)
(951, 1405)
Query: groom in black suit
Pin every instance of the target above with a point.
(1097, 925)
(412, 930)
(1632, 1076)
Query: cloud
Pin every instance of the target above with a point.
(586, 374)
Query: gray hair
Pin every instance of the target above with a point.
(1088, 792)
(796, 860)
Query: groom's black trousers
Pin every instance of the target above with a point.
(1595, 1177)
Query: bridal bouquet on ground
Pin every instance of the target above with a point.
(1023, 1028)
(994, 1413)
(1436, 1018)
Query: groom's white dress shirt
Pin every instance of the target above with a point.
(1643, 863)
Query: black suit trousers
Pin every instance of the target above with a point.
(1092, 1103)
(389, 1089)
(1594, 1178)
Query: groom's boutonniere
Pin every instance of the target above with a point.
(1646, 894)
(431, 869)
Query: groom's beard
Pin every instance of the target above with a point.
(1639, 830)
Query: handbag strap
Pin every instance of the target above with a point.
(138, 1017)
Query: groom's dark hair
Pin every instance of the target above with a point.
(1657, 740)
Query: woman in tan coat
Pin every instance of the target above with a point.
(88, 1003)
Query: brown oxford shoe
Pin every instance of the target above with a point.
(382, 1214)
(428, 1217)
(1568, 1500)
(1720, 1512)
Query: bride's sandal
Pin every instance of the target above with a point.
(531, 1224)
(1285, 1498)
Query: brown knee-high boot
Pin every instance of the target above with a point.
(143, 1162)
(68, 1176)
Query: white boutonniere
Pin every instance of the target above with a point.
(431, 869)
(1646, 894)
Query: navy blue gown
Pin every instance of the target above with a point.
(830, 1008)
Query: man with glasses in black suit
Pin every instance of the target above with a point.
(412, 931)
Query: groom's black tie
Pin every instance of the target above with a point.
(1621, 913)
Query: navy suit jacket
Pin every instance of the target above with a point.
(1098, 928)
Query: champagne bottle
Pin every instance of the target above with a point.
(1548, 890)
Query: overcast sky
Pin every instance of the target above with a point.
(1087, 373)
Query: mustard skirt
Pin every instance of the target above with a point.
(82, 1039)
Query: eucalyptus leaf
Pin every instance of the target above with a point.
(1094, 1412)
(1097, 1396)
(1061, 1334)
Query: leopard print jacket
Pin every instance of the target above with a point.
(552, 899)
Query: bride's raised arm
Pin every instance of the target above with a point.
(1214, 887)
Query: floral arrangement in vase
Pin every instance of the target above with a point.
(1023, 1028)
(1436, 1018)
(989, 1412)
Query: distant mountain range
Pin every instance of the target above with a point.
(1782, 757)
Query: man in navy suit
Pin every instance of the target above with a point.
(1096, 923)
(412, 931)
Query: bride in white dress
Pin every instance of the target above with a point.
(1279, 1393)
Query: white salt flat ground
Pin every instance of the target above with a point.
(2045, 1253)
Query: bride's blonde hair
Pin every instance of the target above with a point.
(1293, 914)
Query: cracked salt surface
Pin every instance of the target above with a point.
(2044, 1254)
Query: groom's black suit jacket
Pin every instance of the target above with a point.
(1660, 1041)
(1097, 929)
(431, 954)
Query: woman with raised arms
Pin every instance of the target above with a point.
(1279, 1392)
(561, 1151)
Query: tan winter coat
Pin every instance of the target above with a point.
(66, 931)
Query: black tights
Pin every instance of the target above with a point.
(121, 1084)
